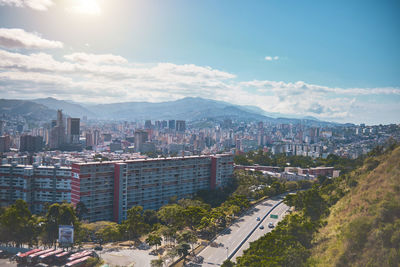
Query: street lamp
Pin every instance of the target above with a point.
(227, 255)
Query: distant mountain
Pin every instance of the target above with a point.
(27, 109)
(189, 108)
(70, 108)
(183, 109)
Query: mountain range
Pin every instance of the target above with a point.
(189, 108)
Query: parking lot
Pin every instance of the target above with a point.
(6, 262)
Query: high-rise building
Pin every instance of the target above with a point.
(30, 143)
(140, 138)
(96, 137)
(109, 189)
(37, 185)
(73, 130)
(5, 143)
(57, 133)
(180, 126)
(147, 124)
(89, 139)
(1, 127)
(171, 124)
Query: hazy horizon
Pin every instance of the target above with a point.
(334, 61)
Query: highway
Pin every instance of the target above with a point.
(232, 237)
(280, 211)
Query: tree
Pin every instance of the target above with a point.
(227, 263)
(183, 249)
(193, 216)
(154, 240)
(157, 262)
(81, 210)
(150, 217)
(187, 237)
(169, 233)
(109, 233)
(172, 215)
(18, 225)
(59, 214)
(134, 224)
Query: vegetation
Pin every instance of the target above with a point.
(282, 160)
(352, 220)
(313, 235)
(363, 228)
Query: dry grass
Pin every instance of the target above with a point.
(361, 203)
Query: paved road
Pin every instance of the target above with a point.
(228, 242)
(280, 211)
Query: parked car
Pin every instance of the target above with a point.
(258, 218)
(271, 225)
(262, 227)
(198, 259)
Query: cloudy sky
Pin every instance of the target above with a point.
(336, 60)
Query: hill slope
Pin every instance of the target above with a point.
(72, 109)
(363, 228)
(27, 109)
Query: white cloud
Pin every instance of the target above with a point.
(111, 78)
(270, 58)
(96, 58)
(40, 5)
(18, 38)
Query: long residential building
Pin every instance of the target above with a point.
(37, 185)
(109, 189)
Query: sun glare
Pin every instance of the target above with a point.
(89, 7)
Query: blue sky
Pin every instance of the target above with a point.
(334, 60)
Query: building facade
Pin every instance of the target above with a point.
(109, 189)
(37, 185)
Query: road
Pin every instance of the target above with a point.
(280, 211)
(236, 233)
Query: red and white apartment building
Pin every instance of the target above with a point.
(108, 189)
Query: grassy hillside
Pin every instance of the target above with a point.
(363, 227)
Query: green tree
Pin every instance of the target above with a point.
(183, 249)
(18, 225)
(227, 263)
(187, 237)
(172, 215)
(154, 240)
(134, 225)
(192, 216)
(59, 214)
(81, 210)
(109, 233)
(157, 262)
(150, 217)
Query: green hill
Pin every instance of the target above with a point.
(352, 220)
(363, 228)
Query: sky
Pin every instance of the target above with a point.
(332, 60)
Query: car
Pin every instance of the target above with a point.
(98, 248)
(198, 259)
(271, 225)
(258, 218)
(262, 227)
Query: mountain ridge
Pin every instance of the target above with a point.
(189, 108)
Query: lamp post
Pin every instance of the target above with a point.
(227, 255)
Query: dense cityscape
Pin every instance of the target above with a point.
(207, 133)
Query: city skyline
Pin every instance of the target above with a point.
(336, 62)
